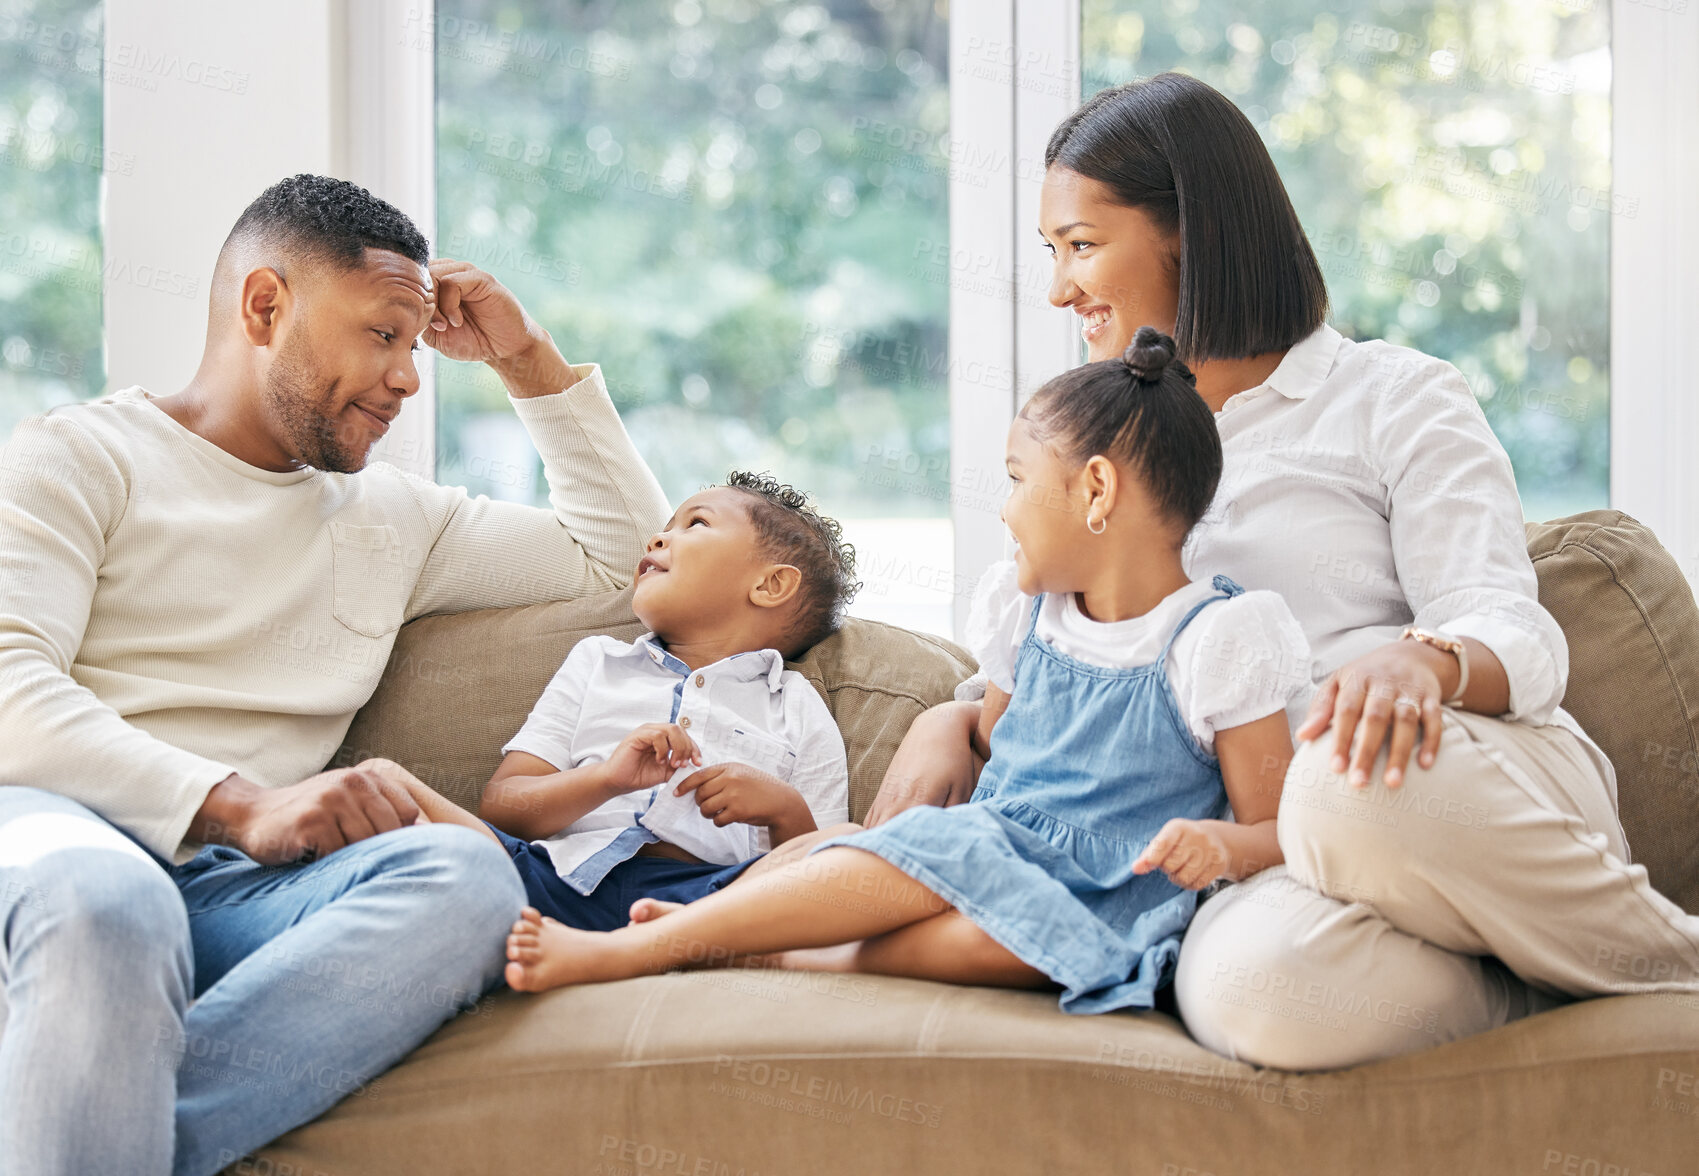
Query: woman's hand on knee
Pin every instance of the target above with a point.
(1389, 698)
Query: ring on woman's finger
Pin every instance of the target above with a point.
(1404, 701)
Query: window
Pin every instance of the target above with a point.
(51, 156)
(1451, 164)
(1481, 158)
(732, 207)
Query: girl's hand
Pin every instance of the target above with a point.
(1394, 691)
(1192, 853)
(649, 755)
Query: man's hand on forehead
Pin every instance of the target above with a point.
(475, 318)
(450, 283)
(430, 292)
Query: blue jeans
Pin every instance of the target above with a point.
(174, 1019)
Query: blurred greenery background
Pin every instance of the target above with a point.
(703, 197)
(1451, 165)
(737, 207)
(50, 164)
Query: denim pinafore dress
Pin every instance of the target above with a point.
(1087, 764)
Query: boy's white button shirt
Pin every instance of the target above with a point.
(746, 709)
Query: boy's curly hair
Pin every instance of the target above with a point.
(793, 532)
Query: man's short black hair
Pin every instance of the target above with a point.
(328, 221)
(1184, 155)
(793, 532)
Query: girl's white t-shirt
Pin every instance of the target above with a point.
(1238, 661)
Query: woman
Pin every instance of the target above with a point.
(1446, 811)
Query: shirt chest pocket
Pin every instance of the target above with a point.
(370, 589)
(738, 743)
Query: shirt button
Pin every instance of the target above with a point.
(699, 679)
(684, 722)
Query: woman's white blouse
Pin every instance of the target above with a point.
(1362, 483)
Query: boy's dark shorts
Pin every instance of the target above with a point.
(609, 906)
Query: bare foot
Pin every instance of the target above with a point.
(543, 954)
(646, 910)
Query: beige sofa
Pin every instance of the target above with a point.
(725, 1073)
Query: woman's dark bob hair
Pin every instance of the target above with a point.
(1182, 153)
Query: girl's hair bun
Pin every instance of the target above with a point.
(1149, 354)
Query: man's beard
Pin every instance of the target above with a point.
(308, 419)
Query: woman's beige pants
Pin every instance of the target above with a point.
(1377, 936)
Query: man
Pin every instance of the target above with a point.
(204, 940)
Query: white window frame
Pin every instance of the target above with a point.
(1014, 74)
(1654, 329)
(390, 66)
(347, 87)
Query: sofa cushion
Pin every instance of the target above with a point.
(722, 1073)
(1633, 630)
(876, 679)
(459, 685)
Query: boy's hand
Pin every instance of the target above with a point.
(1192, 853)
(648, 756)
(737, 792)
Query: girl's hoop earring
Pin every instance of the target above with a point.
(1097, 530)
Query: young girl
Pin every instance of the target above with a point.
(1128, 708)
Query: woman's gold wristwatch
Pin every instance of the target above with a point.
(1452, 646)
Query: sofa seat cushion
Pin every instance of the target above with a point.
(719, 1073)
(459, 685)
(1633, 631)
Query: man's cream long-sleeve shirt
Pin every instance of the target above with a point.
(170, 614)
